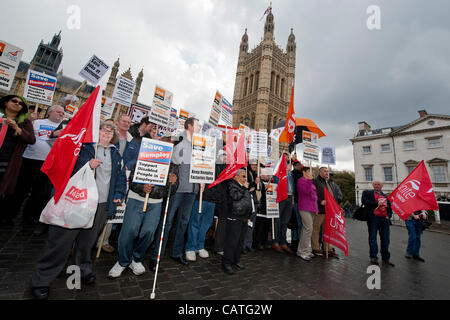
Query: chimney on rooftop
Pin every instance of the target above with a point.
(363, 126)
(422, 113)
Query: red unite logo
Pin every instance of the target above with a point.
(75, 194)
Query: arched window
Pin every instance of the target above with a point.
(250, 86)
(283, 83)
(257, 81)
(245, 87)
(275, 122)
(272, 76)
(252, 123)
(277, 87)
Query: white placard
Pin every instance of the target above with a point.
(107, 109)
(153, 162)
(214, 116)
(94, 70)
(39, 87)
(227, 112)
(272, 208)
(10, 57)
(161, 107)
(203, 159)
(123, 92)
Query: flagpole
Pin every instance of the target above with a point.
(152, 295)
(101, 242)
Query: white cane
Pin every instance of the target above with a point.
(152, 295)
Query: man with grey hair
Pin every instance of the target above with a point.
(321, 182)
(30, 176)
(237, 220)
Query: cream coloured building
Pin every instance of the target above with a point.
(390, 154)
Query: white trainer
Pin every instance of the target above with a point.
(203, 253)
(116, 271)
(190, 256)
(137, 268)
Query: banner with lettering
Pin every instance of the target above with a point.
(203, 159)
(153, 162)
(39, 87)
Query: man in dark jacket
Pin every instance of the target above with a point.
(241, 209)
(321, 182)
(295, 233)
(221, 211)
(379, 213)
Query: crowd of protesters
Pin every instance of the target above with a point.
(238, 204)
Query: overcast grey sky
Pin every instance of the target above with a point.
(345, 72)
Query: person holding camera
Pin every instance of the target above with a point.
(414, 226)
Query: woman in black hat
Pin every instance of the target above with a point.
(16, 132)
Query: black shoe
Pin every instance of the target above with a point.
(408, 256)
(243, 251)
(89, 279)
(40, 293)
(41, 229)
(417, 257)
(250, 250)
(374, 261)
(239, 266)
(180, 260)
(388, 263)
(227, 269)
(152, 265)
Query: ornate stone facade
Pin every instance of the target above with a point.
(264, 80)
(48, 58)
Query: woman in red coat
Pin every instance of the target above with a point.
(16, 132)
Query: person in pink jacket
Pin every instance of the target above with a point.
(307, 206)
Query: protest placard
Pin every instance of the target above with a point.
(214, 116)
(203, 159)
(226, 115)
(94, 70)
(118, 216)
(39, 87)
(329, 155)
(161, 107)
(153, 162)
(271, 202)
(107, 109)
(138, 111)
(311, 150)
(124, 91)
(10, 57)
(258, 144)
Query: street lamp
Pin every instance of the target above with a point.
(357, 195)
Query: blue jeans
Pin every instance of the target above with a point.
(378, 224)
(296, 234)
(133, 219)
(199, 225)
(414, 236)
(184, 202)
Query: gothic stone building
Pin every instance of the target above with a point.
(264, 80)
(48, 58)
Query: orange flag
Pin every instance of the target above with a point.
(289, 130)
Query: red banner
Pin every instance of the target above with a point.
(414, 193)
(334, 229)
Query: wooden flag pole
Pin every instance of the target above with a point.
(200, 201)
(101, 242)
(259, 173)
(326, 249)
(273, 228)
(145, 203)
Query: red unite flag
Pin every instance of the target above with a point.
(83, 128)
(240, 161)
(414, 193)
(334, 229)
(281, 174)
(289, 130)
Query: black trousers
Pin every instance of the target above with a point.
(235, 231)
(31, 178)
(221, 234)
(59, 245)
(262, 228)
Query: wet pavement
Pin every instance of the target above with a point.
(268, 275)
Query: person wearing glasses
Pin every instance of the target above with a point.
(237, 221)
(111, 184)
(16, 133)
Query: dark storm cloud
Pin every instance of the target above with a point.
(345, 73)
